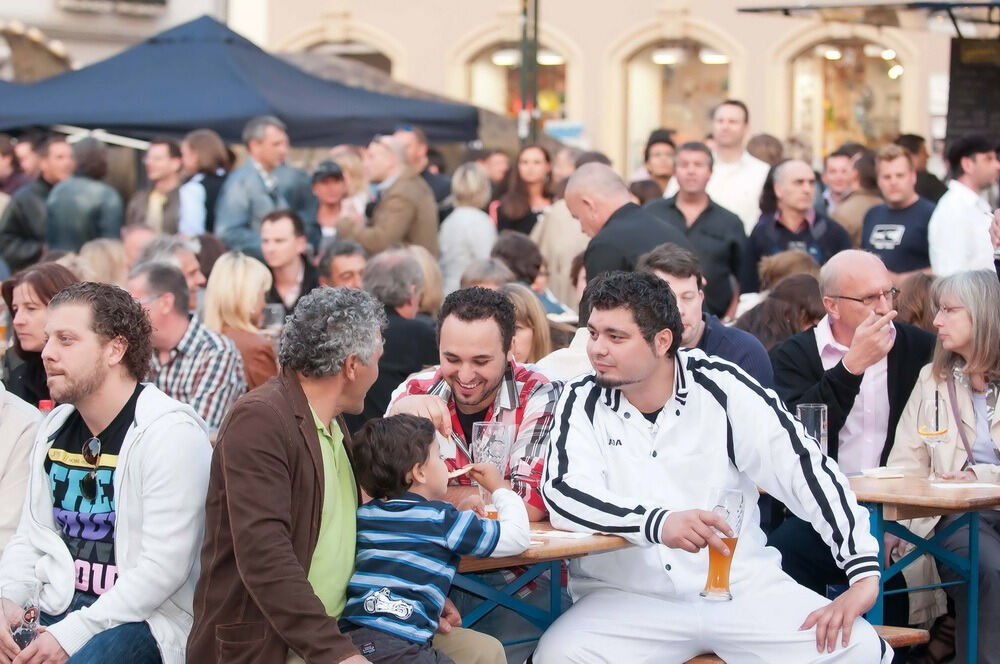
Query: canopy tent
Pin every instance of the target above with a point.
(202, 74)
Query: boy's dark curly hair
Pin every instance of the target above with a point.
(386, 449)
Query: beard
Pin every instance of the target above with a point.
(481, 397)
(613, 383)
(80, 387)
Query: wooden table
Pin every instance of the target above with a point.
(892, 500)
(545, 556)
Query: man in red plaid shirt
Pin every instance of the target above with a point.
(478, 381)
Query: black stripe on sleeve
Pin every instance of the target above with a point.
(812, 481)
(720, 396)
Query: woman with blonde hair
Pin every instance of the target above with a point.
(963, 380)
(234, 300)
(107, 261)
(532, 340)
(468, 233)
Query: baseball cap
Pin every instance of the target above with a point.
(327, 169)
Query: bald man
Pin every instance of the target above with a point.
(619, 230)
(791, 223)
(863, 366)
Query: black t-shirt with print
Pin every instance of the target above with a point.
(899, 237)
(88, 527)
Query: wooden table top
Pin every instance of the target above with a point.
(550, 549)
(910, 497)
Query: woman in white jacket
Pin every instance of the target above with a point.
(965, 377)
(18, 424)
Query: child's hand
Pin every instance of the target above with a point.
(474, 503)
(486, 475)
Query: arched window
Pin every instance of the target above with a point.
(495, 80)
(355, 50)
(673, 84)
(846, 90)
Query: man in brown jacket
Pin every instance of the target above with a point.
(280, 516)
(405, 211)
(159, 206)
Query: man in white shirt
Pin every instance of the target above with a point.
(737, 177)
(640, 449)
(958, 233)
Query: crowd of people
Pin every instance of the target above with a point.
(233, 404)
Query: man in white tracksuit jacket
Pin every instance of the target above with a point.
(640, 448)
(136, 605)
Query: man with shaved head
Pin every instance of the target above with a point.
(789, 221)
(404, 211)
(619, 230)
(863, 366)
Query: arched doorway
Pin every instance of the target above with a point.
(675, 84)
(846, 90)
(494, 80)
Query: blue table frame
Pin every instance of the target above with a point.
(507, 597)
(967, 568)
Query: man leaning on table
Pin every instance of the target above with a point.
(640, 447)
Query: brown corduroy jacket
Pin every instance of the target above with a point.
(253, 601)
(406, 214)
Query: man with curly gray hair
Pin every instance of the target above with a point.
(280, 516)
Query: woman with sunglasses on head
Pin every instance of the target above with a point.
(964, 381)
(27, 296)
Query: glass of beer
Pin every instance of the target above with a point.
(19, 602)
(813, 418)
(728, 505)
(932, 426)
(491, 443)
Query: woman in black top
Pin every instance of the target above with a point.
(27, 296)
(528, 190)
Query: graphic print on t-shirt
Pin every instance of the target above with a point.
(87, 527)
(886, 237)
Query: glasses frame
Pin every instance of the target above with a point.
(890, 295)
(88, 483)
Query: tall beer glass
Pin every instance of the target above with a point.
(729, 505)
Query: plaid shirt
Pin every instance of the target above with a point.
(204, 371)
(526, 399)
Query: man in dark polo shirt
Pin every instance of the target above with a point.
(789, 221)
(896, 231)
(680, 269)
(619, 230)
(715, 233)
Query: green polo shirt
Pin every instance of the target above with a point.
(333, 560)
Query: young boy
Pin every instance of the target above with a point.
(410, 540)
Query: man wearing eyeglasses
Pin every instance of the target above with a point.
(116, 494)
(863, 366)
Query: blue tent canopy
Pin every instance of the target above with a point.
(202, 74)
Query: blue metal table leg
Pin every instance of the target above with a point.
(973, 621)
(555, 589)
(874, 614)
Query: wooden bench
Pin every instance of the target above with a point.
(897, 637)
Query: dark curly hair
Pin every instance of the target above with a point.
(115, 315)
(386, 449)
(649, 298)
(471, 304)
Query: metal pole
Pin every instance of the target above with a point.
(523, 118)
(534, 73)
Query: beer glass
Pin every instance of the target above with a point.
(272, 318)
(813, 418)
(491, 443)
(19, 602)
(728, 505)
(932, 426)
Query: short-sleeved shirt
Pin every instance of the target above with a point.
(899, 236)
(333, 560)
(88, 526)
(408, 550)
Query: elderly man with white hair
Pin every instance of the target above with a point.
(863, 366)
(789, 221)
(619, 230)
(404, 210)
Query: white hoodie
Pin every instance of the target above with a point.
(160, 486)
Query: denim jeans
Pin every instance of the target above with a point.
(131, 643)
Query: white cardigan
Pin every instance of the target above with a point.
(160, 488)
(18, 425)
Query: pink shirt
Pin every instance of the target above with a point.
(863, 435)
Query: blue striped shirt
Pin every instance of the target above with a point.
(408, 550)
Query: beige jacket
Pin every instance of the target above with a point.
(19, 421)
(406, 214)
(560, 239)
(910, 455)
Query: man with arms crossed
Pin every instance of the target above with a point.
(640, 448)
